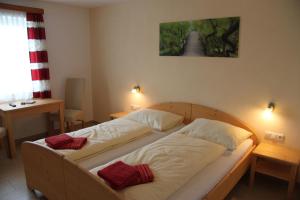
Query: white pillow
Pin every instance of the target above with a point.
(216, 131)
(156, 119)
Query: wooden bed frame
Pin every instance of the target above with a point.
(59, 178)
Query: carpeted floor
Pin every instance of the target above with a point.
(265, 188)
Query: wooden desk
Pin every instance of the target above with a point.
(9, 113)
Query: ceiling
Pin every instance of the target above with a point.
(85, 3)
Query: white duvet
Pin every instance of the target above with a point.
(104, 136)
(173, 160)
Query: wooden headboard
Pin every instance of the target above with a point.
(193, 111)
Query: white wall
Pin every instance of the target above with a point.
(125, 51)
(68, 44)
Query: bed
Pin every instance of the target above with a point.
(79, 183)
(44, 166)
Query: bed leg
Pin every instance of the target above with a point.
(252, 172)
(29, 187)
(68, 126)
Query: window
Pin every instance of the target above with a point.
(15, 74)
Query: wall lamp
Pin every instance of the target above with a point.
(269, 110)
(136, 89)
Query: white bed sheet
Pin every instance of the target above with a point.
(104, 157)
(199, 185)
(174, 160)
(208, 177)
(102, 137)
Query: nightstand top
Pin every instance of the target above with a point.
(277, 152)
(118, 115)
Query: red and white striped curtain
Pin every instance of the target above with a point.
(38, 56)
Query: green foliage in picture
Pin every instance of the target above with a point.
(209, 37)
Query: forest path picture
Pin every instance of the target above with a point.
(208, 37)
(193, 45)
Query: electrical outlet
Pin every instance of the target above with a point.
(275, 136)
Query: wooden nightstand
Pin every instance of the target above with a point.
(118, 115)
(276, 161)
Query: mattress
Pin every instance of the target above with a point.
(104, 157)
(104, 136)
(208, 177)
(195, 188)
(174, 160)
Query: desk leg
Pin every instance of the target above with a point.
(61, 117)
(10, 136)
(50, 125)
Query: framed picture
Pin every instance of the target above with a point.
(207, 37)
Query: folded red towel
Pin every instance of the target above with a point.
(76, 143)
(119, 175)
(58, 140)
(145, 173)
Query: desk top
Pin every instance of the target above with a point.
(5, 107)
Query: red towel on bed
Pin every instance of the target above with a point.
(145, 174)
(76, 143)
(58, 140)
(65, 141)
(120, 175)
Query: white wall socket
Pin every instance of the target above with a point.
(275, 136)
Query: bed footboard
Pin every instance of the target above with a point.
(44, 170)
(82, 185)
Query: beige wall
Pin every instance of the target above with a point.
(68, 43)
(125, 51)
